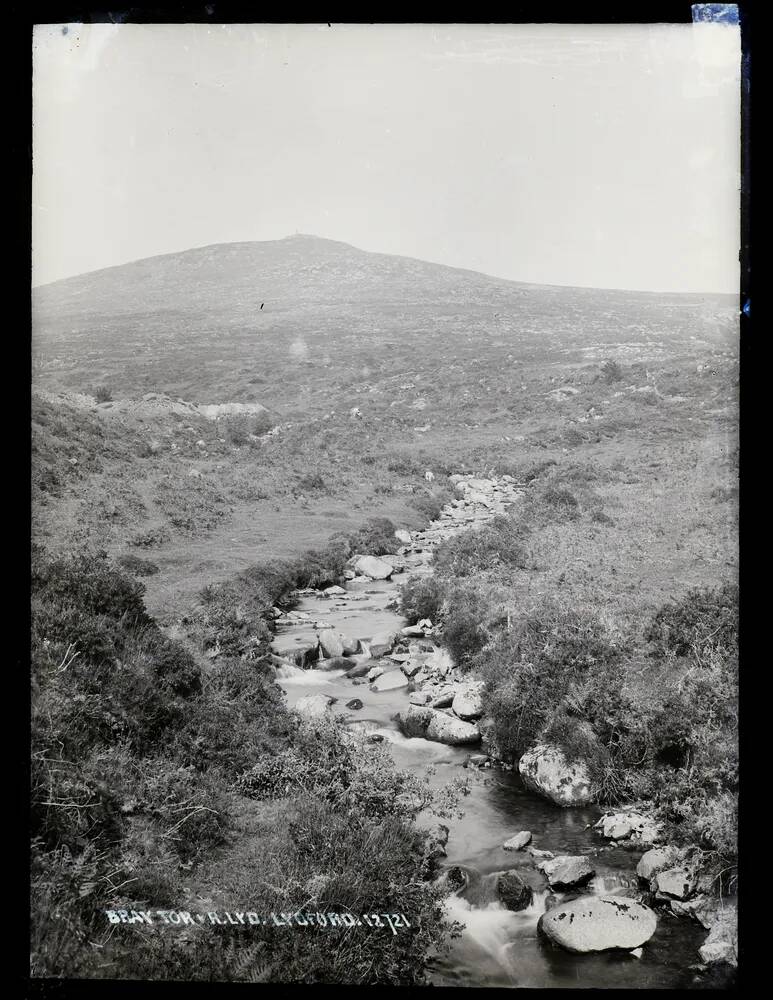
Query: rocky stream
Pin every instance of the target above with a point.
(526, 851)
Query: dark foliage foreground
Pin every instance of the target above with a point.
(160, 778)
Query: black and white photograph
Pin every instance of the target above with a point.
(385, 501)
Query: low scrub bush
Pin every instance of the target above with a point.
(137, 566)
(498, 543)
(421, 597)
(704, 621)
(611, 371)
(375, 538)
(430, 503)
(553, 662)
(311, 483)
(465, 631)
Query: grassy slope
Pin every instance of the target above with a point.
(451, 372)
(449, 369)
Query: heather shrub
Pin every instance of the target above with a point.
(551, 664)
(465, 631)
(429, 503)
(498, 543)
(703, 621)
(421, 597)
(375, 538)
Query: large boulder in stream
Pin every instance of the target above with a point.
(375, 568)
(545, 770)
(599, 923)
(513, 891)
(331, 643)
(428, 724)
(468, 701)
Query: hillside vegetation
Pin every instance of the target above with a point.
(162, 534)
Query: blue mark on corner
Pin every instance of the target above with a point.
(718, 13)
(747, 308)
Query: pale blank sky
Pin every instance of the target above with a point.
(599, 155)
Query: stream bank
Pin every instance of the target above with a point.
(498, 946)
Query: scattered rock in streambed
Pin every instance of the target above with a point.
(411, 668)
(330, 643)
(355, 704)
(390, 680)
(656, 860)
(566, 871)
(468, 701)
(429, 724)
(337, 644)
(598, 923)
(539, 855)
(314, 706)
(704, 908)
(518, 842)
(300, 655)
(629, 824)
(375, 672)
(403, 536)
(477, 760)
(545, 770)
(419, 697)
(382, 644)
(454, 878)
(513, 891)
(674, 883)
(359, 669)
(444, 699)
(721, 945)
(372, 567)
(334, 663)
(334, 591)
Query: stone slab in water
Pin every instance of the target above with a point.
(599, 923)
(567, 870)
(390, 681)
(518, 842)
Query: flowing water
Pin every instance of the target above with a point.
(498, 947)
